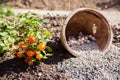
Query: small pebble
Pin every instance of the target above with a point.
(87, 41)
(39, 74)
(86, 37)
(93, 38)
(80, 34)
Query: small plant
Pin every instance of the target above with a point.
(32, 39)
(24, 35)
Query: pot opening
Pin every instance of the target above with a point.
(89, 23)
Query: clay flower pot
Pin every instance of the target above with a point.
(82, 20)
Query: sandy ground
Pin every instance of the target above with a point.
(62, 4)
(111, 15)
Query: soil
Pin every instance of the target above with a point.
(62, 4)
(44, 71)
(62, 65)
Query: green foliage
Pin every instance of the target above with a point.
(8, 34)
(31, 25)
(17, 28)
(5, 12)
(49, 49)
(47, 33)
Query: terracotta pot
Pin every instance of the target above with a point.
(82, 20)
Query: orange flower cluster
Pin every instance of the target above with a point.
(30, 54)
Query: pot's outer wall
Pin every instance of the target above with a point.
(83, 20)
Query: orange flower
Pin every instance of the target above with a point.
(31, 39)
(39, 56)
(23, 46)
(21, 43)
(42, 46)
(34, 51)
(30, 53)
(19, 54)
(28, 61)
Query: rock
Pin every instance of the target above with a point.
(86, 37)
(39, 74)
(93, 38)
(87, 41)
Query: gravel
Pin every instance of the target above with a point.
(116, 31)
(92, 46)
(83, 43)
(93, 66)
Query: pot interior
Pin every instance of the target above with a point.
(83, 21)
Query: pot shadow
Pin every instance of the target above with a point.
(59, 52)
(110, 4)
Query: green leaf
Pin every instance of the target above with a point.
(9, 12)
(48, 54)
(11, 40)
(5, 47)
(13, 33)
(10, 27)
(30, 33)
(49, 49)
(33, 60)
(43, 38)
(47, 33)
(43, 21)
(44, 52)
(39, 36)
(2, 44)
(23, 21)
(45, 57)
(2, 52)
(3, 34)
(4, 37)
(40, 21)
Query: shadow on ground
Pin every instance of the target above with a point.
(12, 65)
(59, 52)
(17, 66)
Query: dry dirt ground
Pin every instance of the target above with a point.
(62, 4)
